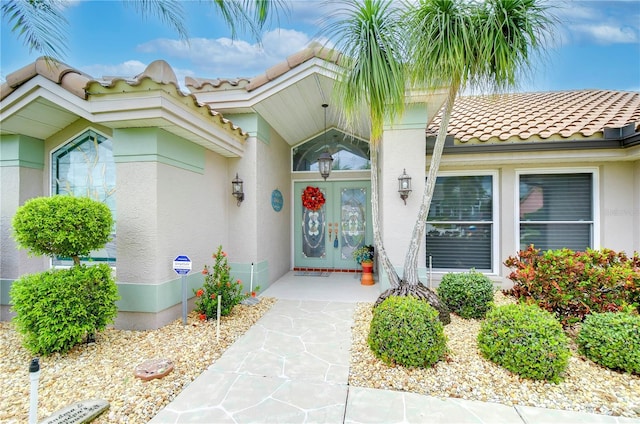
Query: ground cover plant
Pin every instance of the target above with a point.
(573, 284)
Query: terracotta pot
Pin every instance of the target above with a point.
(367, 274)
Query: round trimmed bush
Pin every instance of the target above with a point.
(525, 340)
(407, 331)
(62, 226)
(56, 309)
(611, 339)
(469, 294)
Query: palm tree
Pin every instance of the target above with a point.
(459, 44)
(42, 25)
(443, 43)
(374, 77)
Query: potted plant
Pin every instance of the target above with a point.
(364, 257)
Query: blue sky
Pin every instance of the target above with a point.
(597, 44)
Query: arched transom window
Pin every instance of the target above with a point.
(349, 153)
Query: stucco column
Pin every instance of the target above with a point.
(22, 174)
(402, 148)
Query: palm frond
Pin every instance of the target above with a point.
(488, 43)
(250, 15)
(514, 34)
(369, 34)
(168, 11)
(39, 23)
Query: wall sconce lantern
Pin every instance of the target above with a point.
(237, 191)
(325, 160)
(404, 185)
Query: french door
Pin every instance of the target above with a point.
(326, 233)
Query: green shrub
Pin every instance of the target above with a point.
(56, 309)
(573, 284)
(64, 226)
(407, 331)
(467, 294)
(611, 340)
(218, 281)
(525, 340)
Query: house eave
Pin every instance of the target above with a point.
(21, 112)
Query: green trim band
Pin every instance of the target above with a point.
(157, 145)
(154, 298)
(21, 151)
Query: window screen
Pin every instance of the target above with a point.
(556, 211)
(460, 223)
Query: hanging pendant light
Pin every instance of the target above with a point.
(325, 160)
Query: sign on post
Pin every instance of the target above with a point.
(182, 266)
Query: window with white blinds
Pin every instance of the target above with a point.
(556, 211)
(460, 223)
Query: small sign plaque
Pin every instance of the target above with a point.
(277, 200)
(79, 412)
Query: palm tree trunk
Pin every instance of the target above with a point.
(410, 272)
(383, 258)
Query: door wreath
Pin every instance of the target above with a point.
(312, 198)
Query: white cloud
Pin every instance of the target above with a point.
(126, 69)
(598, 21)
(223, 57)
(606, 33)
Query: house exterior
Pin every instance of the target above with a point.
(555, 169)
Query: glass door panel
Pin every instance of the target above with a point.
(325, 237)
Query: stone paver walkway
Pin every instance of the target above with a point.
(292, 366)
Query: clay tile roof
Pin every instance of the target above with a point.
(78, 83)
(560, 114)
(71, 79)
(313, 50)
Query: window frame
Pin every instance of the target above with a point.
(495, 219)
(595, 200)
(52, 151)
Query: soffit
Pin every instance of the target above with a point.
(289, 97)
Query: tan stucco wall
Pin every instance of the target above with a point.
(617, 208)
(18, 185)
(258, 234)
(402, 148)
(273, 241)
(636, 205)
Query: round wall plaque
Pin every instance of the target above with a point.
(276, 200)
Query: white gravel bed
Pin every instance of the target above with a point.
(465, 374)
(105, 369)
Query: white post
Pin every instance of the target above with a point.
(430, 270)
(34, 375)
(251, 286)
(218, 325)
(184, 299)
